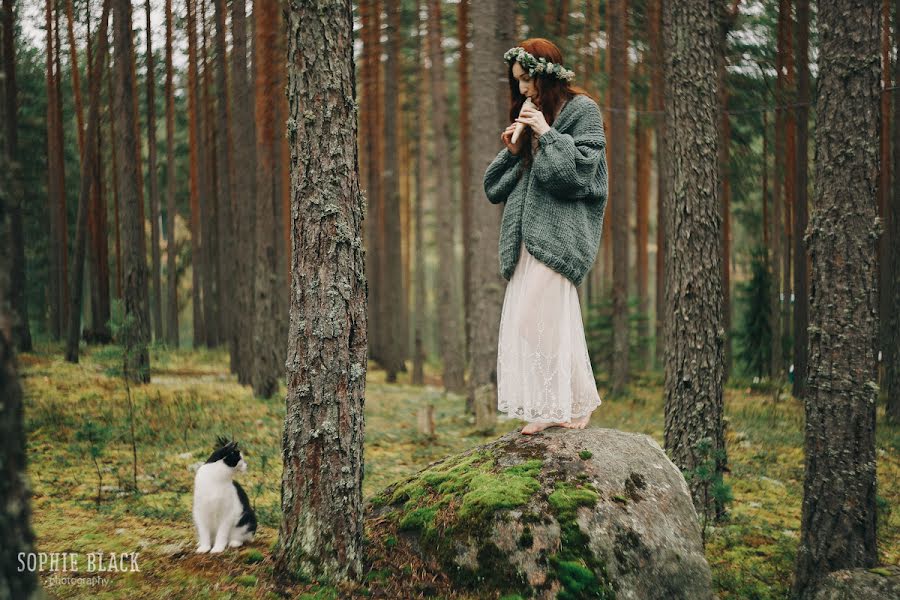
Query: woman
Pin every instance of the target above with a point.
(553, 181)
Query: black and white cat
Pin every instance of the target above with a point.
(222, 512)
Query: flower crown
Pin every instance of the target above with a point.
(537, 65)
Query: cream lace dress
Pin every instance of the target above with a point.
(544, 373)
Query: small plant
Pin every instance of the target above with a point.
(124, 330)
(706, 480)
(95, 435)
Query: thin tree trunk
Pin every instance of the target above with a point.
(884, 181)
(171, 244)
(76, 77)
(197, 178)
(657, 82)
(209, 199)
(788, 169)
(466, 198)
(776, 237)
(244, 184)
(618, 135)
(267, 270)
(892, 344)
(448, 301)
(642, 221)
(55, 308)
(392, 280)
(88, 170)
(695, 360)
(421, 124)
(154, 182)
(801, 257)
(137, 320)
(113, 140)
(321, 532)
(837, 529)
(19, 300)
(224, 256)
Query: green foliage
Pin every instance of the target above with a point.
(599, 333)
(95, 435)
(566, 498)
(585, 454)
(708, 479)
(754, 334)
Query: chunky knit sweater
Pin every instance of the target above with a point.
(556, 206)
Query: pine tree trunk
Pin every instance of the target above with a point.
(137, 326)
(114, 167)
(392, 277)
(16, 535)
(321, 532)
(19, 300)
(224, 257)
(267, 270)
(54, 226)
(642, 221)
(618, 135)
(209, 199)
(695, 359)
(488, 286)
(244, 184)
(657, 83)
(448, 300)
(154, 182)
(88, 170)
(777, 235)
(171, 244)
(420, 127)
(884, 181)
(788, 170)
(801, 257)
(892, 343)
(838, 520)
(466, 199)
(75, 72)
(196, 185)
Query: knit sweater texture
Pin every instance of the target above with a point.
(556, 206)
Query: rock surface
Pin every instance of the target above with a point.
(880, 583)
(595, 513)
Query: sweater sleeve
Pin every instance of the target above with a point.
(500, 177)
(573, 166)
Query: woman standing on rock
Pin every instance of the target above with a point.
(553, 181)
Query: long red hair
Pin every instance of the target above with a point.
(551, 92)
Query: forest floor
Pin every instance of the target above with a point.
(192, 398)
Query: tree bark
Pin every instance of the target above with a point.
(892, 343)
(266, 368)
(421, 124)
(838, 520)
(136, 327)
(657, 82)
(321, 532)
(788, 170)
(88, 171)
(466, 199)
(392, 277)
(171, 243)
(16, 535)
(618, 135)
(54, 225)
(448, 300)
(154, 182)
(196, 184)
(244, 184)
(113, 140)
(695, 358)
(884, 181)
(642, 222)
(801, 204)
(18, 298)
(209, 200)
(224, 255)
(487, 285)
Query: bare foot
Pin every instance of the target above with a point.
(578, 423)
(535, 427)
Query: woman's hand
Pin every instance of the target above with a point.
(534, 119)
(506, 137)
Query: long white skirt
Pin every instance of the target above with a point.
(544, 372)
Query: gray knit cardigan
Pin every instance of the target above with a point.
(557, 205)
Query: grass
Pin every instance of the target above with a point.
(192, 398)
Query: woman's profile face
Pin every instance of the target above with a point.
(527, 86)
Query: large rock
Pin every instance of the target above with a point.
(880, 583)
(596, 513)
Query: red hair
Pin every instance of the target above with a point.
(551, 92)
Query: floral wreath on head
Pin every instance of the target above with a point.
(533, 65)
